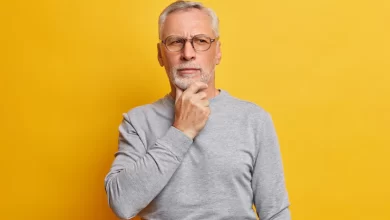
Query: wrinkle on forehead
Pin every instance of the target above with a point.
(188, 23)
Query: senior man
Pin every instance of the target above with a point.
(198, 152)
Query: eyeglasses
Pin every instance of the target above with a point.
(199, 42)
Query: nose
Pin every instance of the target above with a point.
(188, 52)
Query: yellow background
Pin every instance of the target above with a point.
(70, 68)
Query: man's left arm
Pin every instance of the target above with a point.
(269, 189)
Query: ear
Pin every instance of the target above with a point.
(218, 55)
(159, 57)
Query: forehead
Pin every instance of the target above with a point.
(187, 23)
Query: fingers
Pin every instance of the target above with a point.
(191, 109)
(204, 102)
(193, 89)
(178, 93)
(197, 86)
(201, 95)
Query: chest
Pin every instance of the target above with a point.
(224, 149)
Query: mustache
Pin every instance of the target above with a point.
(187, 65)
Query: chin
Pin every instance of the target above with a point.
(185, 83)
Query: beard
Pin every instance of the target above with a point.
(183, 82)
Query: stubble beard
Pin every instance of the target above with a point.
(183, 82)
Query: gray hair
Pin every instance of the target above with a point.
(185, 5)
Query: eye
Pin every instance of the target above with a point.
(201, 40)
(174, 41)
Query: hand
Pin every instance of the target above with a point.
(191, 109)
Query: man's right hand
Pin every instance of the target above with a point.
(191, 109)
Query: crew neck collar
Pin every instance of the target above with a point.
(222, 93)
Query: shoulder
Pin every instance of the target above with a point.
(142, 112)
(248, 108)
(137, 112)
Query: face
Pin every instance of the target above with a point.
(187, 65)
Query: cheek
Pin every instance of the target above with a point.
(209, 60)
(171, 60)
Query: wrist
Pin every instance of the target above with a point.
(189, 133)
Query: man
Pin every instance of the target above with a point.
(197, 153)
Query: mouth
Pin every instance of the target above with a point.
(188, 70)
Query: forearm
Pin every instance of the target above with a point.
(283, 214)
(268, 183)
(131, 187)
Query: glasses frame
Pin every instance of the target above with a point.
(191, 40)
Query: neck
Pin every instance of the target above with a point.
(210, 91)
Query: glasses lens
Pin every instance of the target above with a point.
(201, 43)
(174, 43)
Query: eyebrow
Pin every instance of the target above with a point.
(191, 36)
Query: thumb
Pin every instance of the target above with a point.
(178, 93)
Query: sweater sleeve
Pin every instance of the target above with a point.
(268, 184)
(138, 173)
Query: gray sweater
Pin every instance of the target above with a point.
(161, 174)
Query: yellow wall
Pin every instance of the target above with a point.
(70, 68)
